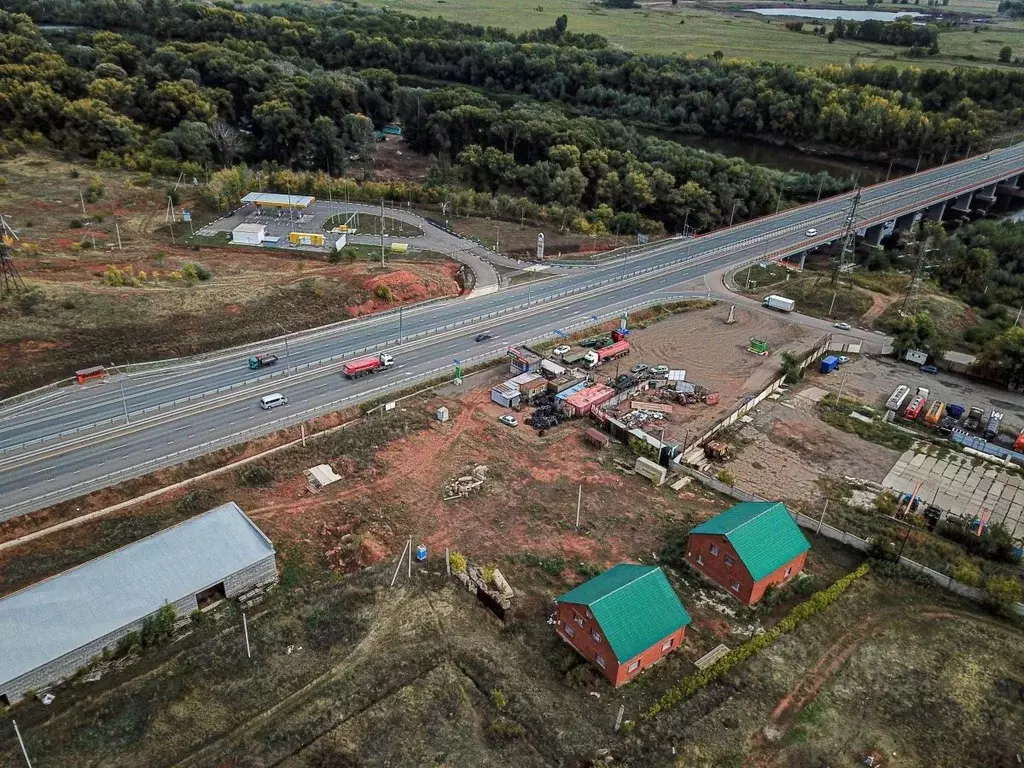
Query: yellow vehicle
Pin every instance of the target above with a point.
(305, 238)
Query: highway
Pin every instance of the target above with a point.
(74, 440)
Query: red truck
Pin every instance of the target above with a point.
(368, 365)
(611, 352)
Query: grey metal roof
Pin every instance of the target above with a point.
(282, 201)
(54, 617)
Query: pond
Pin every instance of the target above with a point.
(830, 14)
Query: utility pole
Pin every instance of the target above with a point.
(849, 240)
(21, 743)
(120, 386)
(497, 233)
(733, 214)
(382, 247)
(118, 230)
(890, 170)
(579, 501)
(82, 201)
(400, 325)
(245, 629)
(170, 216)
(820, 185)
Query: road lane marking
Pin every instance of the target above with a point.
(183, 426)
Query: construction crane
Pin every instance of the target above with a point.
(10, 280)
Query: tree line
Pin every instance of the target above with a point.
(900, 32)
(874, 109)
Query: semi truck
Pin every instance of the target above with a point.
(367, 365)
(973, 420)
(995, 418)
(261, 361)
(781, 303)
(611, 352)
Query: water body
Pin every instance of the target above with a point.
(831, 14)
(781, 158)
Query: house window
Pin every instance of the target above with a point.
(600, 661)
(700, 560)
(569, 630)
(714, 550)
(595, 636)
(666, 645)
(579, 619)
(735, 586)
(788, 571)
(730, 560)
(634, 666)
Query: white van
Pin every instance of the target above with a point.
(272, 401)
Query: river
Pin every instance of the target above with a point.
(780, 158)
(831, 14)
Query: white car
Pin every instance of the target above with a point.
(510, 421)
(562, 350)
(985, 157)
(841, 326)
(659, 370)
(843, 359)
(811, 232)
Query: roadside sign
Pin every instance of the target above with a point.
(560, 333)
(389, 406)
(642, 239)
(186, 215)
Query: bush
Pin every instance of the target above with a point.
(158, 627)
(458, 562)
(1002, 593)
(814, 605)
(499, 699)
(94, 191)
(76, 223)
(488, 574)
(333, 256)
(30, 301)
(967, 572)
(254, 476)
(384, 293)
(726, 477)
(197, 500)
(193, 273)
(507, 730)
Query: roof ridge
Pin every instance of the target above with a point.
(769, 508)
(628, 583)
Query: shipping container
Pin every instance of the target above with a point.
(955, 410)
(829, 364)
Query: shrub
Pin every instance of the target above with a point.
(507, 730)
(815, 604)
(488, 574)
(967, 572)
(384, 293)
(333, 256)
(30, 301)
(1002, 593)
(108, 159)
(76, 223)
(499, 699)
(458, 562)
(197, 500)
(254, 476)
(726, 477)
(94, 191)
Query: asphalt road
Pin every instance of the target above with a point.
(61, 465)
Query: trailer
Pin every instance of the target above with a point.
(780, 303)
(934, 414)
(995, 418)
(914, 409)
(829, 364)
(898, 398)
(603, 355)
(367, 365)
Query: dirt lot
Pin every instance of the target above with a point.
(94, 303)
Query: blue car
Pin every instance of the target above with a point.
(929, 369)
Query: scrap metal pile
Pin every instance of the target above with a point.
(638, 418)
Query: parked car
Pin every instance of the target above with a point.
(843, 359)
(510, 421)
(659, 370)
(562, 350)
(841, 326)
(639, 368)
(929, 369)
(811, 232)
(483, 337)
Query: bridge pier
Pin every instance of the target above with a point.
(904, 223)
(962, 203)
(935, 212)
(873, 235)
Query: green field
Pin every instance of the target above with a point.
(700, 31)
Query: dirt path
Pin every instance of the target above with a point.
(765, 753)
(879, 304)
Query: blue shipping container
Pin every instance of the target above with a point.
(829, 364)
(955, 410)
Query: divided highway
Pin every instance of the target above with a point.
(75, 440)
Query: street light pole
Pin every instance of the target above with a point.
(400, 325)
(287, 352)
(733, 214)
(120, 386)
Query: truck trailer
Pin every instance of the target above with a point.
(367, 365)
(603, 355)
(781, 303)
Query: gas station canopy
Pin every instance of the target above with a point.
(270, 200)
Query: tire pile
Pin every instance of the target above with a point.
(546, 414)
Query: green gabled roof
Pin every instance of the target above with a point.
(762, 533)
(635, 606)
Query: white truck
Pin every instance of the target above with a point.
(781, 303)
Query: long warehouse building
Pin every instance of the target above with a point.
(50, 630)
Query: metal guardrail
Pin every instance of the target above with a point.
(292, 419)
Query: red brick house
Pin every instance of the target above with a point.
(624, 621)
(748, 548)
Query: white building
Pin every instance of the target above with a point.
(249, 234)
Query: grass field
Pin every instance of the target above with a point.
(686, 29)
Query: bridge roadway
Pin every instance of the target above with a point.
(75, 440)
